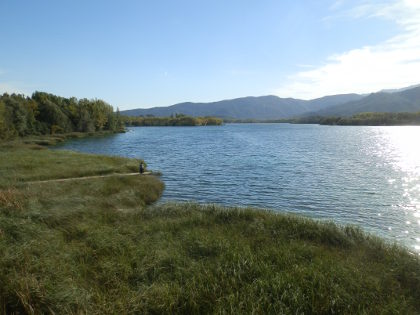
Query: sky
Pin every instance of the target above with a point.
(140, 54)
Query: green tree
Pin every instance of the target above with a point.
(7, 129)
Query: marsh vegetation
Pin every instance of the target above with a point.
(97, 246)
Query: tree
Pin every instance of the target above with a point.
(6, 126)
(119, 121)
(44, 113)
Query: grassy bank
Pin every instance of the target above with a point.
(35, 141)
(20, 162)
(94, 246)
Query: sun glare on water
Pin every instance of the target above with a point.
(401, 147)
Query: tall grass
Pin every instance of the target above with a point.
(22, 163)
(99, 247)
(186, 258)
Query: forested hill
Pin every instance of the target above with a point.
(45, 113)
(273, 107)
(405, 100)
(263, 107)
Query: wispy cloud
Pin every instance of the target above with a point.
(393, 63)
(337, 4)
(10, 88)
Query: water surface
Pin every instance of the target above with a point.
(369, 176)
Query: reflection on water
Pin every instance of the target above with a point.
(400, 147)
(368, 176)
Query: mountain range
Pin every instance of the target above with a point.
(274, 107)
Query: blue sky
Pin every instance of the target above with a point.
(156, 53)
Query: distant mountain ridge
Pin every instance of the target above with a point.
(274, 107)
(408, 100)
(262, 107)
(400, 90)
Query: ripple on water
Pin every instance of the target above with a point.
(345, 174)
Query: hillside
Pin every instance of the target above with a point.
(263, 107)
(273, 107)
(382, 102)
(401, 90)
(332, 100)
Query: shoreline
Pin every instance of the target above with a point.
(107, 236)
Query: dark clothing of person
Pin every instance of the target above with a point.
(141, 168)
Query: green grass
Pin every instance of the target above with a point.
(21, 163)
(96, 247)
(35, 141)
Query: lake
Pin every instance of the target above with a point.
(367, 176)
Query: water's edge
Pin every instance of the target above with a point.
(367, 176)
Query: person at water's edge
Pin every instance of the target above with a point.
(141, 168)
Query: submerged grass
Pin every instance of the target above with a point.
(95, 247)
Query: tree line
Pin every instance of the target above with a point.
(174, 120)
(361, 119)
(44, 113)
(364, 119)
